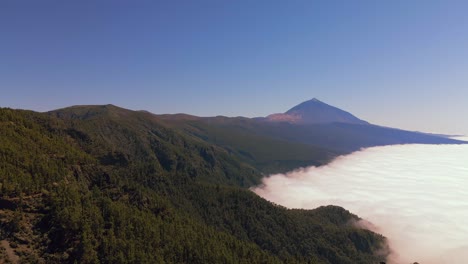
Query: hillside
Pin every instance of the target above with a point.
(273, 147)
(253, 142)
(102, 184)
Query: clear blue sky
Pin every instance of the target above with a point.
(396, 63)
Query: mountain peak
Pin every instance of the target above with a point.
(315, 111)
(312, 103)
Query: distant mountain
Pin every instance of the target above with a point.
(315, 112)
(311, 133)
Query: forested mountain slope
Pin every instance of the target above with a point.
(101, 184)
(274, 147)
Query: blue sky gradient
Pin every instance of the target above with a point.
(396, 63)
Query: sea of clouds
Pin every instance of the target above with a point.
(415, 195)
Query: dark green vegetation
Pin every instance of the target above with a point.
(101, 184)
(254, 142)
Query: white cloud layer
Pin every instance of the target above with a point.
(416, 196)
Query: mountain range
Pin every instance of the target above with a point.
(311, 133)
(103, 184)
